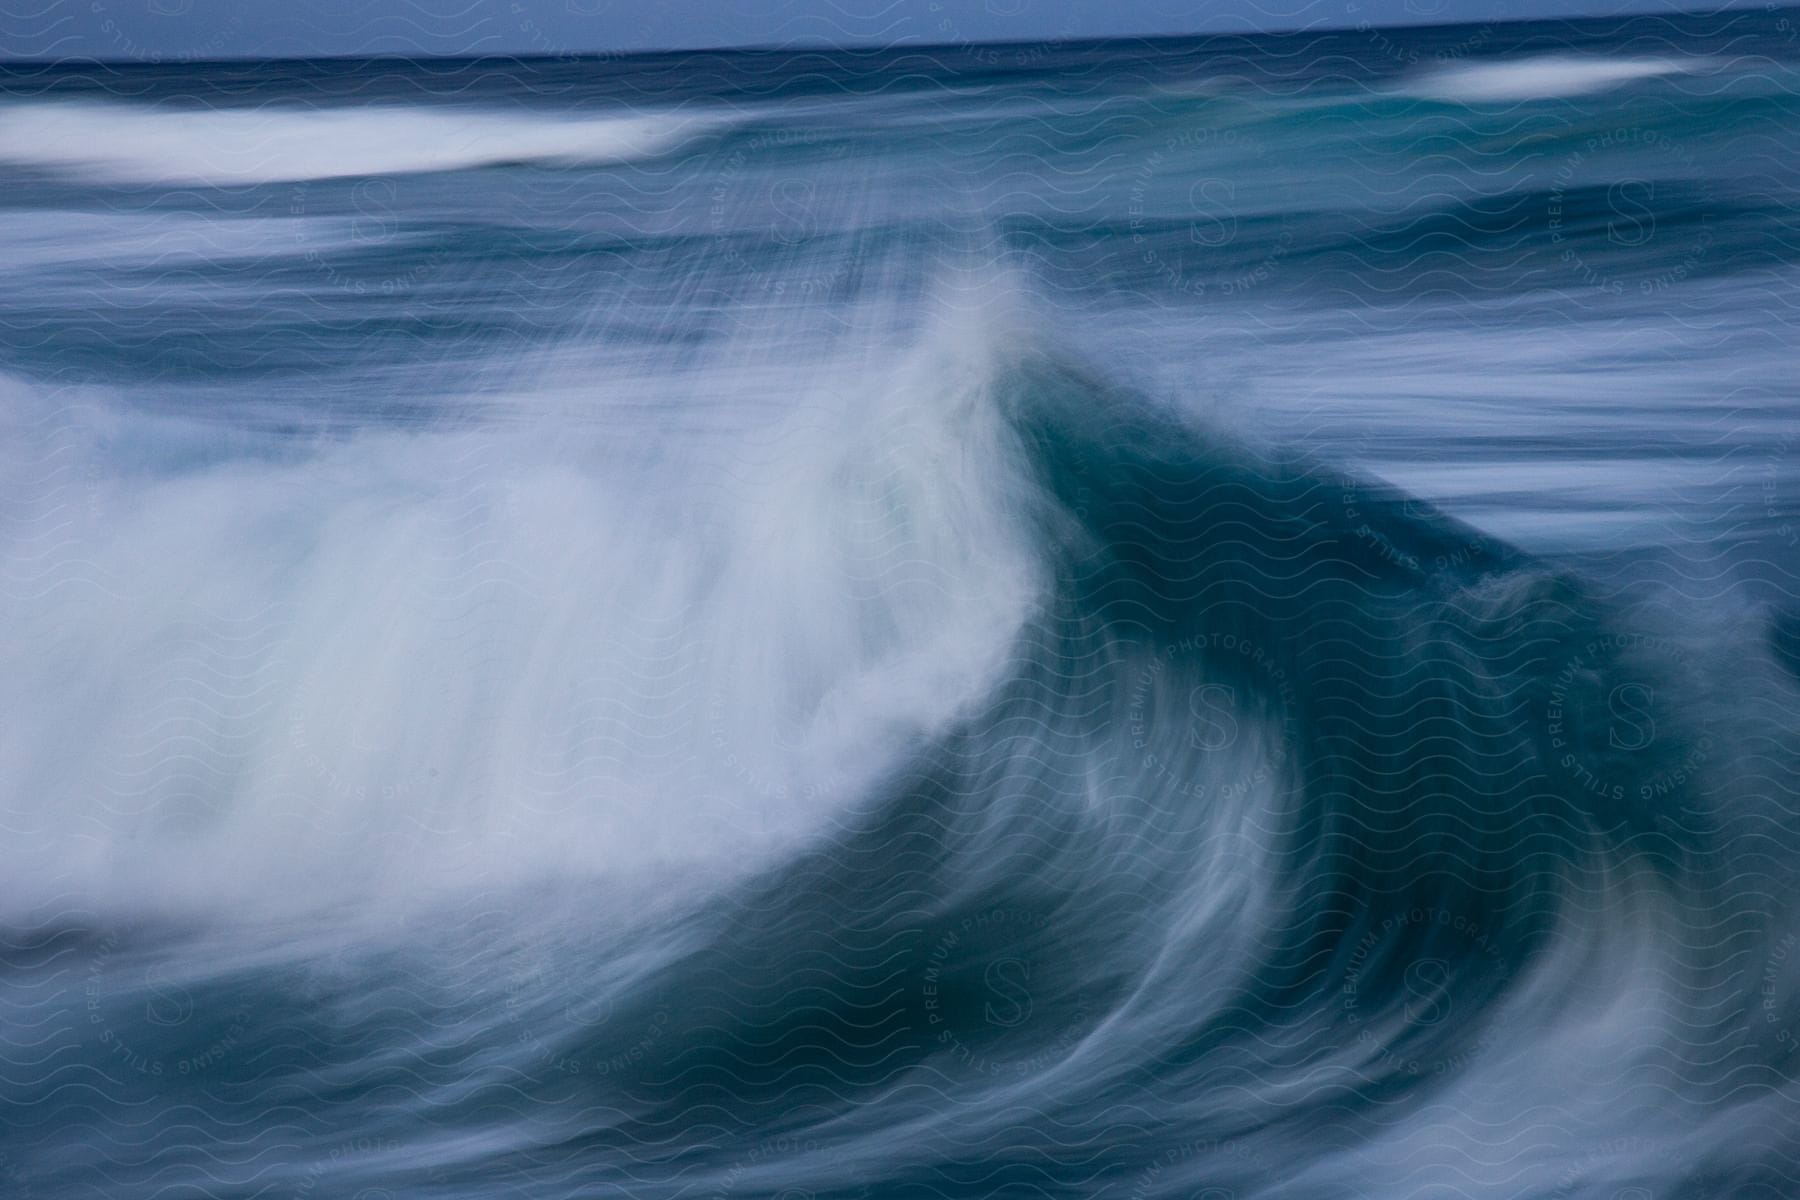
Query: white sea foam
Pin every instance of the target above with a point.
(224, 147)
(365, 670)
(1541, 77)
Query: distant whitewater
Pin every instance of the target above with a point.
(1183, 619)
(1543, 77)
(219, 148)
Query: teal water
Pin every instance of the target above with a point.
(1207, 618)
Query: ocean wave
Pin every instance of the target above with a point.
(686, 702)
(120, 143)
(1109, 747)
(1542, 77)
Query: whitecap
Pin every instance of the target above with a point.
(1540, 77)
(120, 143)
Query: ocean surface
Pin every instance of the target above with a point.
(1207, 619)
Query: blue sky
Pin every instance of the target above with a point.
(185, 29)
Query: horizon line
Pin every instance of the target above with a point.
(964, 46)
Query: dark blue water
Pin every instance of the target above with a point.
(1178, 619)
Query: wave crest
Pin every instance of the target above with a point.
(118, 143)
